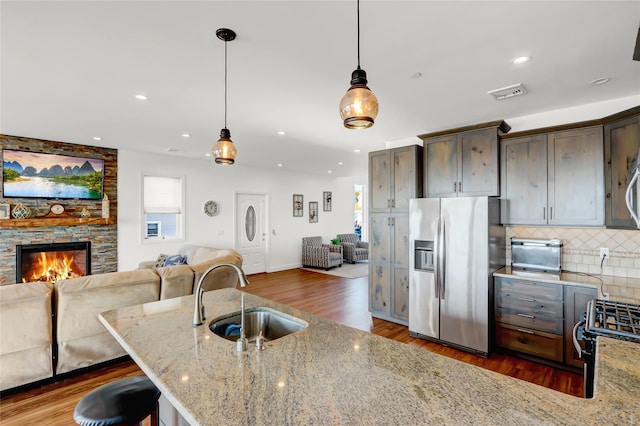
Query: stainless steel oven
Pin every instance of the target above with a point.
(616, 320)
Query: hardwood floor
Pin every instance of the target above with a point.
(340, 299)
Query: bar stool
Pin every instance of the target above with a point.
(122, 402)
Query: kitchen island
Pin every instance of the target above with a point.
(332, 374)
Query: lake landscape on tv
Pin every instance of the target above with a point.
(41, 175)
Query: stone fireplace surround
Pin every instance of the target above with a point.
(104, 238)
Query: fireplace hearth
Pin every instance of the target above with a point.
(53, 261)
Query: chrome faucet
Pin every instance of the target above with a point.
(198, 310)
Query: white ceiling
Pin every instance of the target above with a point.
(70, 71)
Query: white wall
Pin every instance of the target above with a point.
(576, 114)
(208, 181)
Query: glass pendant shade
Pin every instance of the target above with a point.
(224, 151)
(359, 106)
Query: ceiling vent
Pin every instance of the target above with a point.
(508, 92)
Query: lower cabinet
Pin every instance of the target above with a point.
(537, 318)
(575, 304)
(389, 267)
(532, 342)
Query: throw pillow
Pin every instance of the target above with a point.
(176, 259)
(160, 261)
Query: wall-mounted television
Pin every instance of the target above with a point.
(39, 175)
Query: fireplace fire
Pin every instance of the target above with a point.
(52, 262)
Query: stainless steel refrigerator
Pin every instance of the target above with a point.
(457, 244)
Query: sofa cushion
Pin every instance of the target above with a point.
(188, 251)
(82, 339)
(221, 277)
(25, 333)
(175, 281)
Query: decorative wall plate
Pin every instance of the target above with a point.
(57, 209)
(211, 208)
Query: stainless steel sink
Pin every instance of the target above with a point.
(271, 323)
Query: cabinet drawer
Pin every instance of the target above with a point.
(530, 305)
(535, 321)
(533, 289)
(532, 342)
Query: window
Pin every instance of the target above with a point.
(163, 206)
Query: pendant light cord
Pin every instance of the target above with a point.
(225, 84)
(358, 10)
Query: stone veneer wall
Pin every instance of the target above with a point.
(104, 238)
(581, 248)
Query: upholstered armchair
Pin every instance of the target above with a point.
(318, 255)
(353, 248)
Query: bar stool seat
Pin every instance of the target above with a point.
(122, 402)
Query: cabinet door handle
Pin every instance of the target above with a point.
(460, 186)
(544, 213)
(521, 330)
(550, 213)
(393, 202)
(526, 316)
(455, 187)
(526, 299)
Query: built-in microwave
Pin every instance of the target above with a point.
(423, 252)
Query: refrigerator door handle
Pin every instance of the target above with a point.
(442, 258)
(629, 197)
(436, 263)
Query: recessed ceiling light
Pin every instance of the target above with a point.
(329, 171)
(141, 97)
(186, 135)
(416, 74)
(97, 138)
(599, 81)
(356, 150)
(208, 154)
(521, 60)
(340, 163)
(279, 164)
(282, 132)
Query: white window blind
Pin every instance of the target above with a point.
(162, 195)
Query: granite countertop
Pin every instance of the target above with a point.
(334, 374)
(621, 289)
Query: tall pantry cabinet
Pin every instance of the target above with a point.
(395, 176)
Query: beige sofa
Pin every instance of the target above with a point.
(26, 344)
(27, 341)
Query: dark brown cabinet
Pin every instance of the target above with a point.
(554, 178)
(537, 318)
(621, 145)
(395, 176)
(529, 317)
(524, 180)
(463, 162)
(575, 303)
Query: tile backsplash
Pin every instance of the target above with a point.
(581, 248)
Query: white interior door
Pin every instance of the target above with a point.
(251, 231)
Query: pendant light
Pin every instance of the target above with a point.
(359, 106)
(224, 151)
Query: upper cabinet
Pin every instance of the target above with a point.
(395, 176)
(576, 177)
(554, 179)
(463, 162)
(621, 145)
(524, 180)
